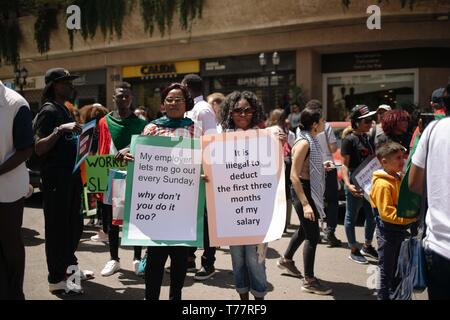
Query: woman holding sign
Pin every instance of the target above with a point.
(242, 111)
(308, 187)
(175, 99)
(356, 148)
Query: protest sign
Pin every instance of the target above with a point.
(97, 170)
(164, 202)
(362, 176)
(84, 143)
(118, 195)
(246, 192)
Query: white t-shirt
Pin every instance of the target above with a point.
(438, 178)
(326, 154)
(290, 136)
(204, 116)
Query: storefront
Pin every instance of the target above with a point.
(374, 78)
(90, 88)
(272, 84)
(149, 80)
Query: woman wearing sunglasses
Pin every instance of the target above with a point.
(242, 111)
(357, 147)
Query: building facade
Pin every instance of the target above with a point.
(324, 48)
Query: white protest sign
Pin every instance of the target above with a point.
(162, 197)
(364, 173)
(245, 193)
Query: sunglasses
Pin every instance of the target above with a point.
(171, 101)
(245, 111)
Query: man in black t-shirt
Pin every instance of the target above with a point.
(357, 147)
(56, 139)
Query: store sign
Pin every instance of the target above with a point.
(33, 83)
(388, 59)
(214, 65)
(161, 69)
(368, 61)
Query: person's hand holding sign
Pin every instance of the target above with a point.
(70, 127)
(124, 155)
(355, 191)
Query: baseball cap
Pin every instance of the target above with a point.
(56, 74)
(384, 107)
(437, 94)
(361, 111)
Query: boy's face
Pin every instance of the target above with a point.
(394, 162)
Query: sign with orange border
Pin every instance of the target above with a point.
(245, 192)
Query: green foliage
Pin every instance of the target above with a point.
(161, 12)
(108, 15)
(45, 24)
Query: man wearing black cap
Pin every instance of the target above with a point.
(56, 137)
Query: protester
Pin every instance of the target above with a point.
(294, 117)
(56, 137)
(356, 148)
(204, 117)
(308, 187)
(116, 130)
(16, 146)
(395, 125)
(278, 125)
(215, 101)
(433, 148)
(391, 229)
(87, 114)
(328, 146)
(177, 101)
(242, 111)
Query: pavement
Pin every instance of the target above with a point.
(349, 281)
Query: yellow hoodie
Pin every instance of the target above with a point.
(384, 197)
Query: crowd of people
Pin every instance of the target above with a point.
(308, 144)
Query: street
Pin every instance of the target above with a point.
(348, 280)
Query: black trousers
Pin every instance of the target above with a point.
(154, 271)
(113, 234)
(209, 253)
(308, 232)
(12, 251)
(63, 220)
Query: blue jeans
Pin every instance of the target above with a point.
(438, 276)
(389, 238)
(249, 273)
(352, 207)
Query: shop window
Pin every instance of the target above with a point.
(344, 91)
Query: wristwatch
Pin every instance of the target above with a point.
(57, 131)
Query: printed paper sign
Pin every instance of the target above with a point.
(246, 192)
(84, 143)
(362, 177)
(164, 202)
(97, 170)
(118, 195)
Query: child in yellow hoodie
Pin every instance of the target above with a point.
(390, 229)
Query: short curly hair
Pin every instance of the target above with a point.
(230, 102)
(189, 102)
(391, 119)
